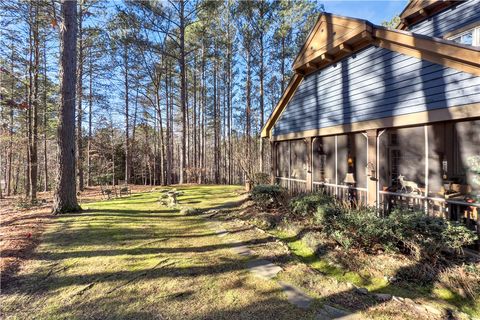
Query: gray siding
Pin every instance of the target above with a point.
(449, 20)
(374, 83)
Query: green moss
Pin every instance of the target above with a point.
(307, 255)
(472, 308)
(374, 284)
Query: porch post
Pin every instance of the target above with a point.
(273, 155)
(309, 186)
(372, 181)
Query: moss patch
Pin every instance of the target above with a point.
(438, 295)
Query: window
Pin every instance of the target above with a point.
(324, 159)
(470, 37)
(395, 160)
(401, 153)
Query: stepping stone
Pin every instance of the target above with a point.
(295, 296)
(263, 268)
(243, 251)
(329, 312)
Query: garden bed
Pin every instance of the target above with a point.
(449, 280)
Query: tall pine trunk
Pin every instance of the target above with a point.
(33, 150)
(183, 92)
(45, 123)
(79, 99)
(65, 195)
(262, 108)
(216, 147)
(167, 138)
(10, 132)
(90, 113)
(127, 142)
(248, 109)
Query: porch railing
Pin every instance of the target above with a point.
(446, 208)
(341, 192)
(294, 186)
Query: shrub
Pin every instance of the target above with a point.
(423, 236)
(360, 228)
(268, 196)
(306, 205)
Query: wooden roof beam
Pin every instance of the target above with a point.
(423, 12)
(327, 57)
(345, 48)
(367, 35)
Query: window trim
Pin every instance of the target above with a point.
(463, 29)
(474, 28)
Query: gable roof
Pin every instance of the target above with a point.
(324, 39)
(418, 10)
(334, 38)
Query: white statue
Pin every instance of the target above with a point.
(408, 184)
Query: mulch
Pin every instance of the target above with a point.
(20, 232)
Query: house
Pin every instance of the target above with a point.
(386, 117)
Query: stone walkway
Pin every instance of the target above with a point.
(267, 270)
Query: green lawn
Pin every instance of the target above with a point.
(131, 258)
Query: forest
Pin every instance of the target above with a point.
(165, 92)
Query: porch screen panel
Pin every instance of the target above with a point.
(402, 153)
(439, 157)
(467, 155)
(298, 159)
(352, 158)
(359, 154)
(324, 159)
(342, 158)
(283, 158)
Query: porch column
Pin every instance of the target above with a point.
(309, 186)
(372, 180)
(273, 155)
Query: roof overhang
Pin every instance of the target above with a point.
(331, 37)
(418, 10)
(334, 38)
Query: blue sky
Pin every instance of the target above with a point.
(373, 11)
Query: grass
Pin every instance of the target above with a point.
(131, 258)
(438, 295)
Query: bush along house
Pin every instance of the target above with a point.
(386, 118)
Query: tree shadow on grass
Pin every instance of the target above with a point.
(120, 213)
(184, 304)
(135, 251)
(35, 283)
